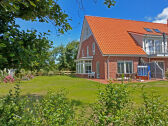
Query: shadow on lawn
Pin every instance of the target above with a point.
(33, 98)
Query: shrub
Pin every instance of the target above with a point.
(8, 79)
(153, 111)
(112, 106)
(41, 72)
(12, 109)
(166, 74)
(50, 73)
(55, 109)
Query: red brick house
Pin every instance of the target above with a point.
(109, 47)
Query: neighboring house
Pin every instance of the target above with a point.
(110, 47)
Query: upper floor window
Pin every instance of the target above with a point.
(157, 30)
(148, 29)
(83, 53)
(154, 46)
(93, 48)
(87, 51)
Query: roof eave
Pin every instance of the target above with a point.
(127, 55)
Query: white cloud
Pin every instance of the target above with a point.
(162, 17)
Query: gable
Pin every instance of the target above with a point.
(86, 31)
(85, 35)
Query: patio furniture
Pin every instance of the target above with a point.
(91, 75)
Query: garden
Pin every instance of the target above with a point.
(31, 98)
(34, 90)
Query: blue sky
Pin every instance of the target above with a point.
(140, 10)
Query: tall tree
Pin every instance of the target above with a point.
(66, 55)
(36, 10)
(27, 50)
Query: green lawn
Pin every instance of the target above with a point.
(78, 89)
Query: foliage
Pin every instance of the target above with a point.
(66, 56)
(50, 73)
(166, 74)
(112, 107)
(12, 109)
(5, 77)
(41, 10)
(53, 109)
(27, 50)
(153, 111)
(8, 79)
(110, 3)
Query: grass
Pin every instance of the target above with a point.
(79, 89)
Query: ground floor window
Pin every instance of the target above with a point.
(83, 67)
(125, 67)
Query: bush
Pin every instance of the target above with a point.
(12, 109)
(53, 109)
(166, 74)
(8, 79)
(112, 106)
(41, 72)
(50, 73)
(153, 111)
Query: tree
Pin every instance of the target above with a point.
(27, 50)
(66, 55)
(16, 46)
(36, 10)
(71, 54)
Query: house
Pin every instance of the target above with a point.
(110, 47)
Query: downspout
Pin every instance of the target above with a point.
(108, 67)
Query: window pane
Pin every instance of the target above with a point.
(128, 67)
(93, 48)
(87, 51)
(158, 46)
(120, 67)
(88, 67)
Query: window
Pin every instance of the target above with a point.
(88, 67)
(83, 67)
(128, 66)
(125, 67)
(148, 30)
(83, 53)
(157, 30)
(87, 51)
(93, 48)
(154, 46)
(120, 67)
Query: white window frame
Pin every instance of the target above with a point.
(93, 48)
(81, 67)
(125, 61)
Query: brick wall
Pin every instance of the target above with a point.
(113, 64)
(96, 58)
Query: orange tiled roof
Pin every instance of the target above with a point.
(112, 34)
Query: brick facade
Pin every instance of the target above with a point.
(112, 65)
